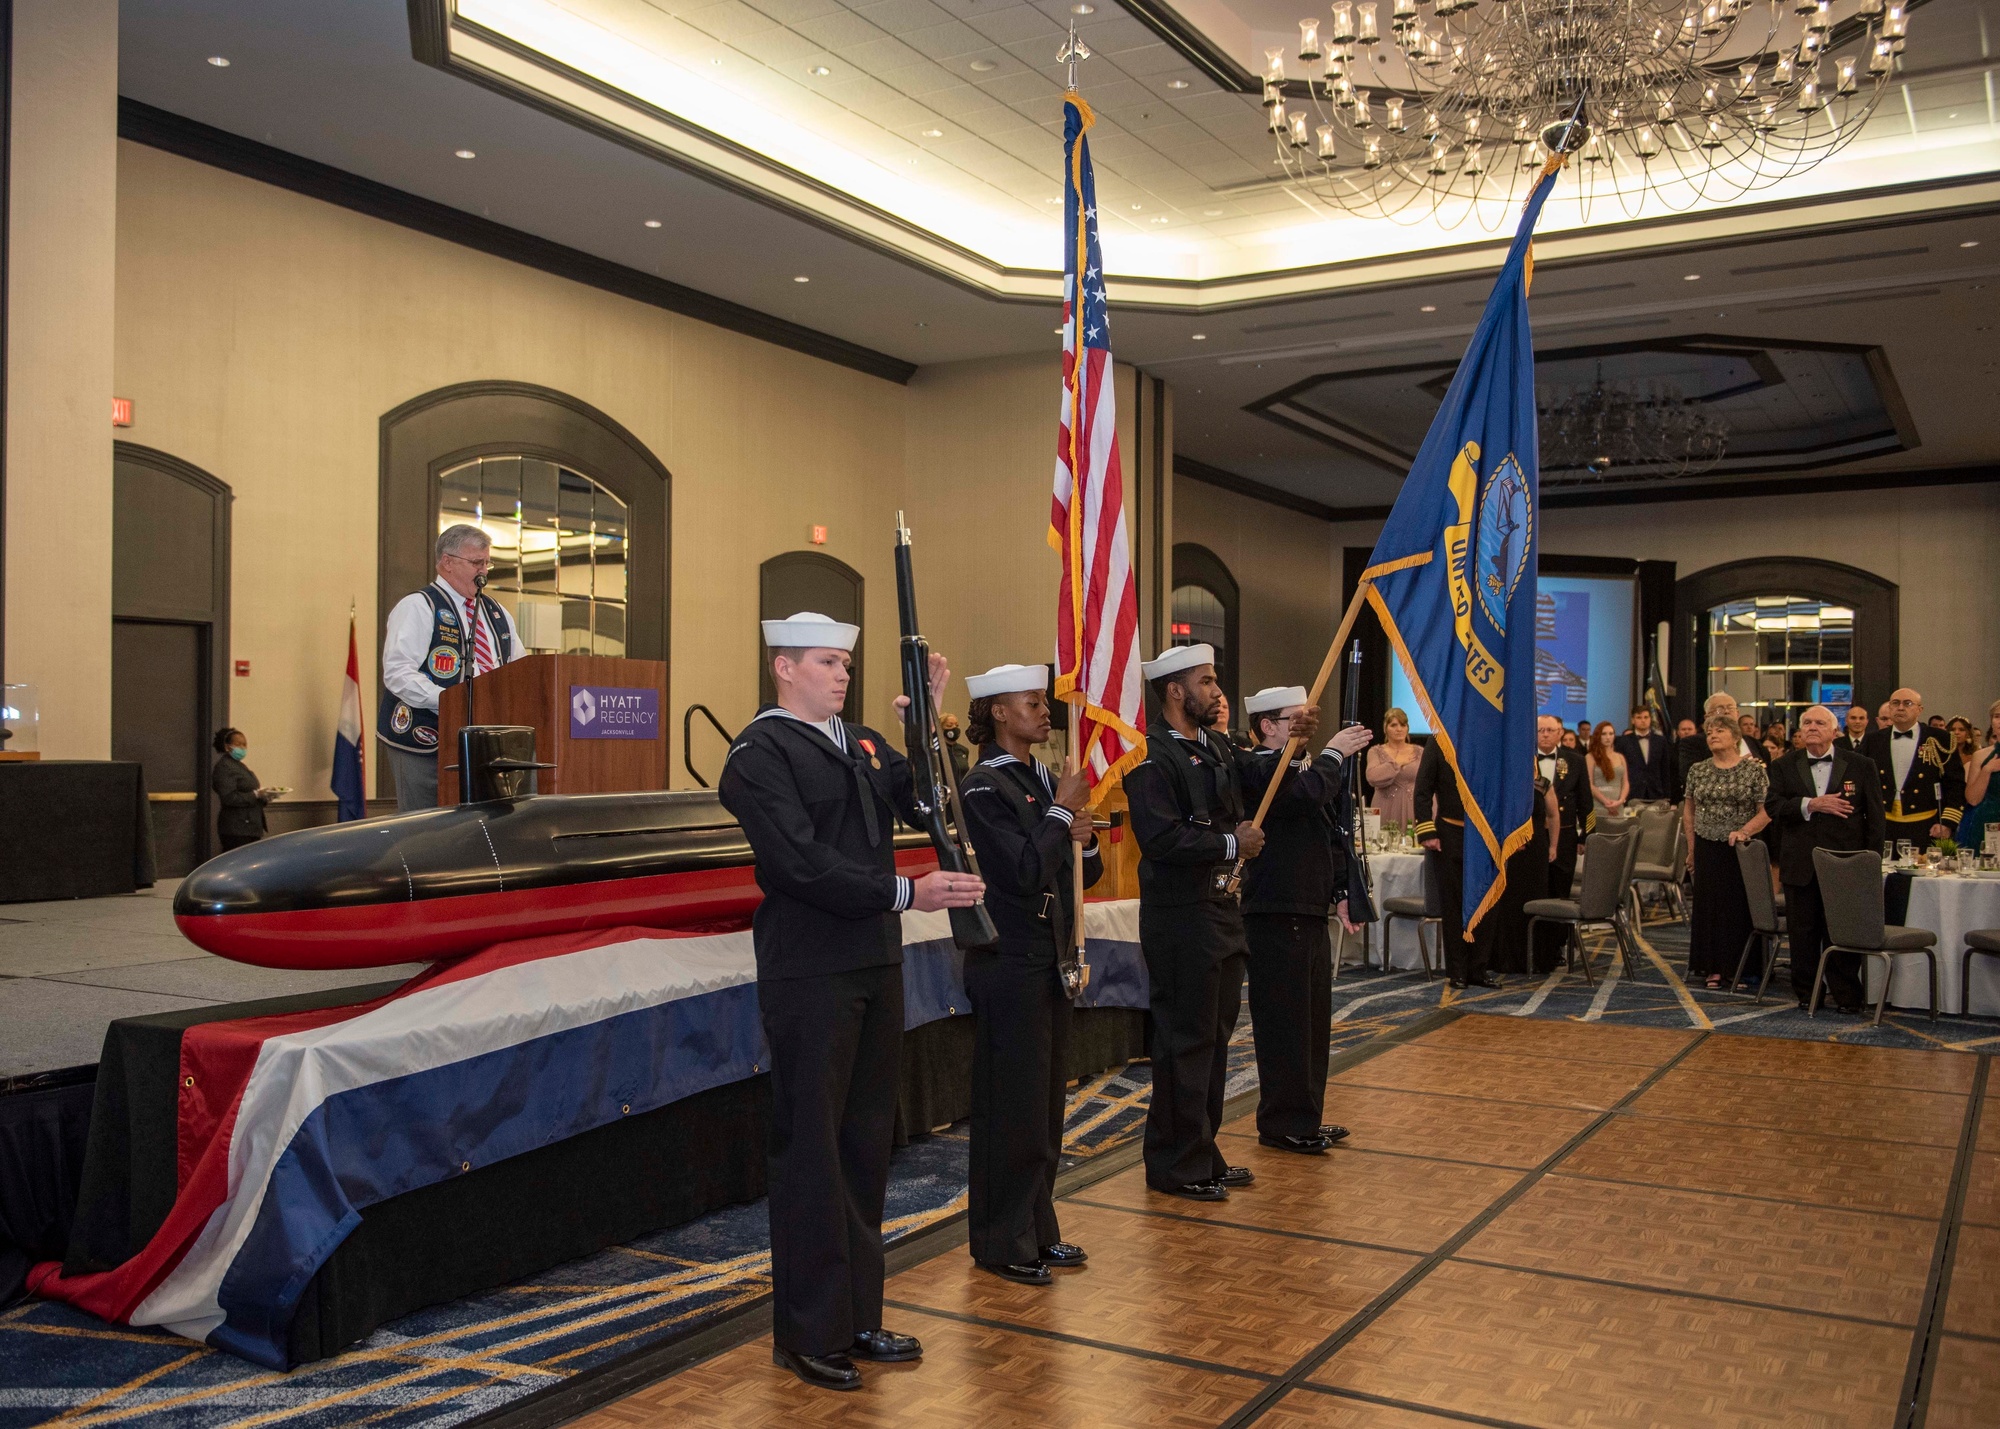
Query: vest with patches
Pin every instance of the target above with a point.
(408, 727)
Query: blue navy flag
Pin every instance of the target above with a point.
(1453, 576)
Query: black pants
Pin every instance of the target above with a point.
(1020, 1047)
(1551, 939)
(1195, 958)
(1462, 960)
(230, 841)
(836, 1051)
(1291, 1017)
(1805, 921)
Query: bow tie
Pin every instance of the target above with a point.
(1902, 734)
(1823, 759)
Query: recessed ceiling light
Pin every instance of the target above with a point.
(652, 223)
(934, 133)
(465, 153)
(1176, 84)
(1211, 213)
(923, 324)
(1428, 308)
(1690, 277)
(802, 278)
(1198, 337)
(1137, 206)
(1056, 199)
(1055, 330)
(716, 60)
(1970, 243)
(821, 70)
(1083, 9)
(1161, 219)
(219, 61)
(982, 66)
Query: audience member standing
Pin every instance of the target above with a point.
(1562, 770)
(1441, 828)
(1392, 770)
(1609, 785)
(240, 820)
(1693, 747)
(1825, 798)
(1724, 807)
(1982, 790)
(1856, 728)
(1647, 760)
(1923, 790)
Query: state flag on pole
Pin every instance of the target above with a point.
(1453, 575)
(1097, 615)
(349, 783)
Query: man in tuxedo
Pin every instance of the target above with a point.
(1857, 728)
(1829, 798)
(1646, 760)
(1564, 770)
(1923, 784)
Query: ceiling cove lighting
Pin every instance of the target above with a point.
(1661, 103)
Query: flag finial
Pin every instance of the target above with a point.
(1073, 49)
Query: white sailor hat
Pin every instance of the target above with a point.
(809, 630)
(1007, 680)
(1176, 658)
(1276, 697)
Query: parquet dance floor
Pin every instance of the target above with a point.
(1534, 1223)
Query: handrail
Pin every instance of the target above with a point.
(687, 739)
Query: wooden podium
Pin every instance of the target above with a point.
(599, 719)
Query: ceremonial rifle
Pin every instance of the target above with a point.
(931, 769)
(1350, 715)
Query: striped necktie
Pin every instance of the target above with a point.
(482, 653)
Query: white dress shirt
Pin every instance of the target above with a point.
(406, 645)
(1821, 769)
(1903, 752)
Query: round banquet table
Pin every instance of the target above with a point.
(1395, 875)
(1949, 906)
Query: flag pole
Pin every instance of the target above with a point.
(1312, 698)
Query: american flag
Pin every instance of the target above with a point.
(1097, 613)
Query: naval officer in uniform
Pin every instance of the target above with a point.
(443, 634)
(1186, 809)
(1028, 828)
(1287, 889)
(818, 799)
(1923, 784)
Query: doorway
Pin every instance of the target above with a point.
(169, 640)
(159, 718)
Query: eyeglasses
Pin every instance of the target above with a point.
(484, 563)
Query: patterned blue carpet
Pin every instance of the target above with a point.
(453, 1363)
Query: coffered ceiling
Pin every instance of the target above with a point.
(379, 89)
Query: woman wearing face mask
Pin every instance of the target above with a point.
(241, 818)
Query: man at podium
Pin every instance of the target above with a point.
(442, 634)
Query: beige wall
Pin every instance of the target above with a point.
(1937, 543)
(1288, 570)
(262, 336)
(62, 213)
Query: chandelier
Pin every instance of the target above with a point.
(1436, 109)
(1591, 433)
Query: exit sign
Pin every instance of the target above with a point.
(121, 411)
(817, 535)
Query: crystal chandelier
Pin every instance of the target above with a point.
(1436, 109)
(1593, 433)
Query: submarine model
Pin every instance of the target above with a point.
(507, 864)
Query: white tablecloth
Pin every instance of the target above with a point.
(1949, 907)
(1396, 875)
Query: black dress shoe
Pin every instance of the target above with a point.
(1236, 1176)
(834, 1371)
(1333, 1133)
(1063, 1253)
(1303, 1145)
(1197, 1191)
(1456, 984)
(1849, 1009)
(1489, 980)
(885, 1347)
(1032, 1273)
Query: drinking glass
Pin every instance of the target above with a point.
(1903, 851)
(1888, 852)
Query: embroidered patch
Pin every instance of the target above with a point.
(443, 664)
(424, 734)
(400, 719)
